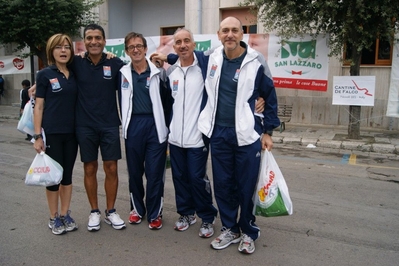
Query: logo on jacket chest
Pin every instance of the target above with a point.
(175, 85)
(125, 83)
(213, 71)
(236, 75)
(147, 85)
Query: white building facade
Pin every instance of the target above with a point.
(156, 17)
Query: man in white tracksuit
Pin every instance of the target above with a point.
(235, 78)
(188, 149)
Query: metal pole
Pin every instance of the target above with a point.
(32, 70)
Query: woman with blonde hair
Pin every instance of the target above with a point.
(54, 113)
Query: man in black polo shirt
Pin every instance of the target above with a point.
(97, 123)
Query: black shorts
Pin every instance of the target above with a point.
(90, 139)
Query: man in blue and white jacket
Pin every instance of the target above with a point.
(145, 103)
(235, 79)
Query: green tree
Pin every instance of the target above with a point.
(349, 23)
(31, 23)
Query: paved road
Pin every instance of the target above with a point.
(345, 213)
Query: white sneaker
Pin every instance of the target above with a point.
(94, 221)
(184, 222)
(206, 230)
(247, 245)
(115, 220)
(226, 238)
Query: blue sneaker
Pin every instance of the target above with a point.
(58, 226)
(69, 223)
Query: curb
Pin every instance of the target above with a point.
(382, 148)
(15, 117)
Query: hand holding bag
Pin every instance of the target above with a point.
(271, 197)
(44, 171)
(25, 124)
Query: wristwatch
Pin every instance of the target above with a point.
(269, 132)
(37, 136)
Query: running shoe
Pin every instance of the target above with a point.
(51, 223)
(206, 230)
(247, 245)
(134, 217)
(184, 222)
(114, 219)
(226, 238)
(69, 223)
(94, 221)
(58, 226)
(156, 224)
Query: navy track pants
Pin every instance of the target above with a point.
(193, 191)
(235, 175)
(144, 154)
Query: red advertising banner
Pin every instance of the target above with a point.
(301, 84)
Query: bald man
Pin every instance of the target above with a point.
(235, 79)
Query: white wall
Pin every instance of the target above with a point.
(119, 18)
(148, 16)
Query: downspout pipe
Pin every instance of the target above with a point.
(199, 16)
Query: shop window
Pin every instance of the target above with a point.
(245, 15)
(380, 53)
(170, 30)
(250, 28)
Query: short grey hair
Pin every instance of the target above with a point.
(185, 29)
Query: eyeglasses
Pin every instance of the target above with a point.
(61, 47)
(132, 47)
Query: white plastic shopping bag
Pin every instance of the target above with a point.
(44, 171)
(25, 124)
(271, 197)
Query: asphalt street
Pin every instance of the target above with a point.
(345, 213)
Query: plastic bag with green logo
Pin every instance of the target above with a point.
(271, 197)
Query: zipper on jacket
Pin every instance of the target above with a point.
(184, 103)
(184, 108)
(130, 107)
(213, 118)
(246, 63)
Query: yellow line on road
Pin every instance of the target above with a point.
(352, 159)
